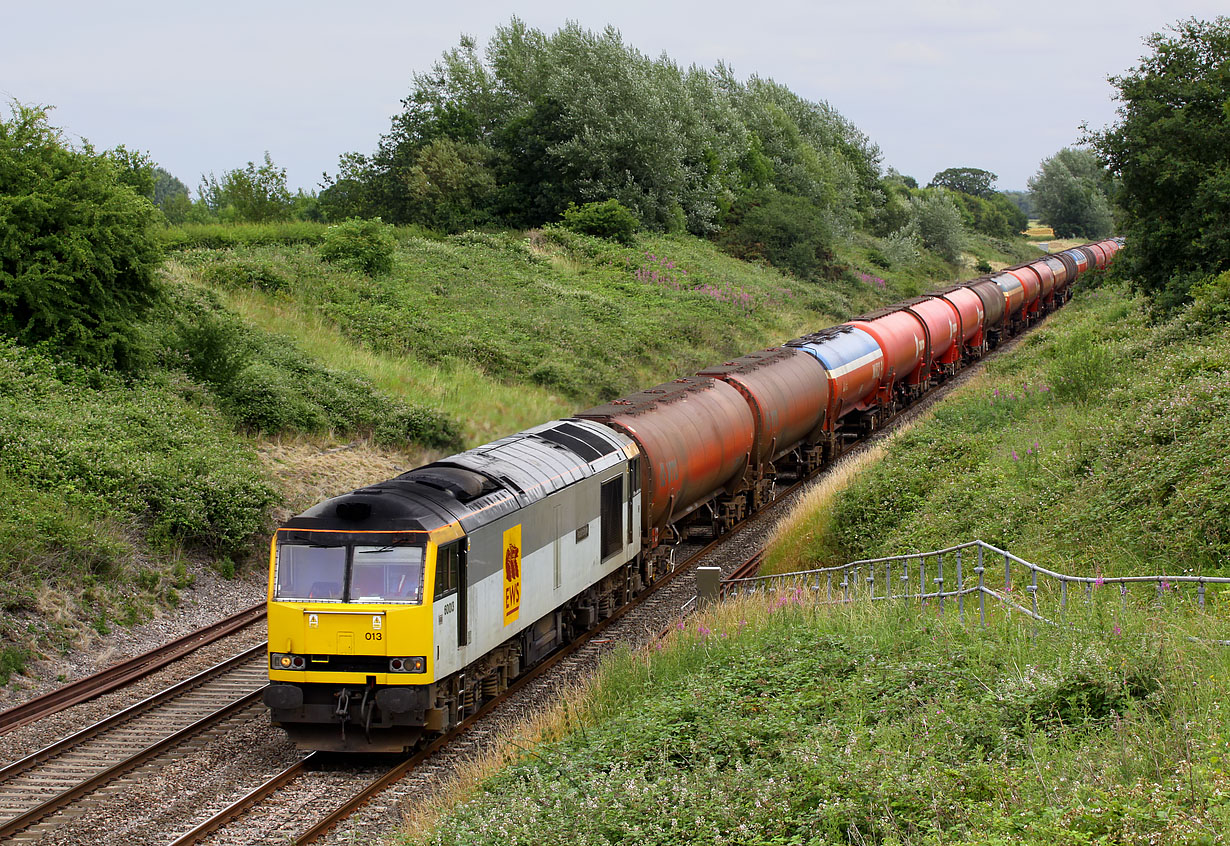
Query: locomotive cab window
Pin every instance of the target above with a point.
(612, 516)
(448, 570)
(311, 573)
(315, 573)
(387, 574)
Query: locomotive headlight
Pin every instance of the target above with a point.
(417, 664)
(286, 661)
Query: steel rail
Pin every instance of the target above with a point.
(126, 671)
(248, 801)
(32, 816)
(60, 746)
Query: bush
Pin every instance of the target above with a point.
(414, 424)
(365, 246)
(608, 219)
(243, 274)
(1083, 367)
(936, 220)
(786, 231)
(78, 248)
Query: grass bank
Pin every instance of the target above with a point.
(781, 722)
(274, 379)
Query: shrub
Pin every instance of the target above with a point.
(365, 246)
(901, 248)
(608, 219)
(78, 246)
(415, 424)
(1082, 367)
(787, 231)
(936, 220)
(245, 274)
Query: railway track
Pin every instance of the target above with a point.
(70, 771)
(125, 672)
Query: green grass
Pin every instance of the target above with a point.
(1097, 447)
(217, 236)
(104, 481)
(785, 723)
(571, 317)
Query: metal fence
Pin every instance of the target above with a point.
(944, 577)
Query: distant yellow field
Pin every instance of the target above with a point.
(1039, 232)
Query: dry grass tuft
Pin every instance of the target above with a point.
(310, 469)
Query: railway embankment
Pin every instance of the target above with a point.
(272, 379)
(1095, 448)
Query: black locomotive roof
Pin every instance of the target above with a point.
(475, 487)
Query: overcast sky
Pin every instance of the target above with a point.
(206, 87)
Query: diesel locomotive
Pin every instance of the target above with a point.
(396, 610)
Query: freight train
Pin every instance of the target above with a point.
(396, 610)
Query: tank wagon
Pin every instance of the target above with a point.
(397, 609)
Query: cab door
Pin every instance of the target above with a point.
(449, 603)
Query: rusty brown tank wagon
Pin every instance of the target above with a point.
(697, 436)
(788, 394)
(482, 563)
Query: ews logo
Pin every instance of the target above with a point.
(512, 574)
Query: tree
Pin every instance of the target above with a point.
(537, 121)
(171, 196)
(77, 251)
(1071, 192)
(256, 193)
(967, 180)
(1170, 149)
(1023, 200)
(936, 220)
(785, 230)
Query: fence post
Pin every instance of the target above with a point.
(960, 590)
(1007, 573)
(982, 596)
(922, 582)
(939, 580)
(1033, 592)
(1200, 593)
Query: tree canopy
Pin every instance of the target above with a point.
(1071, 194)
(255, 193)
(1170, 149)
(968, 180)
(516, 133)
(77, 254)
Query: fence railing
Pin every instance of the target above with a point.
(945, 577)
